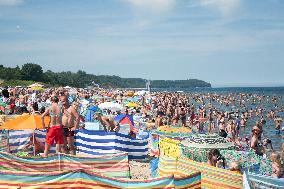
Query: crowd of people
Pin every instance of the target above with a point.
(229, 115)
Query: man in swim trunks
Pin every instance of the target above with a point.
(54, 131)
(70, 122)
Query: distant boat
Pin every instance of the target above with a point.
(180, 92)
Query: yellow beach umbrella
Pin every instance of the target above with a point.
(131, 104)
(37, 88)
(36, 85)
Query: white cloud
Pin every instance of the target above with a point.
(224, 6)
(150, 12)
(10, 2)
(156, 5)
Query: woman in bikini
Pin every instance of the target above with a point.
(54, 130)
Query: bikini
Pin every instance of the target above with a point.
(56, 115)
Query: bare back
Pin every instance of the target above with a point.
(55, 114)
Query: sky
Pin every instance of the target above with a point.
(224, 42)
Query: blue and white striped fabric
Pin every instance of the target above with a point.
(22, 140)
(100, 142)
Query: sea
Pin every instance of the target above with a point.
(268, 92)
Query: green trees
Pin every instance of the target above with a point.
(33, 72)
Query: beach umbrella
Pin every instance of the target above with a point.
(25, 121)
(67, 87)
(37, 88)
(35, 85)
(110, 106)
(129, 93)
(141, 93)
(131, 105)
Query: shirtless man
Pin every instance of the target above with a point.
(54, 131)
(70, 122)
(108, 123)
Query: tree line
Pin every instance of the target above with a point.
(31, 72)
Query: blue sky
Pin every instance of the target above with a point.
(224, 42)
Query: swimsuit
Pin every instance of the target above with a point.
(54, 133)
(67, 131)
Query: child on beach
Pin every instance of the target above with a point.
(277, 166)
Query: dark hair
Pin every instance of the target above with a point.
(54, 99)
(216, 152)
(42, 110)
(213, 152)
(35, 106)
(223, 133)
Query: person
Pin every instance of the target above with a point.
(175, 117)
(35, 109)
(234, 166)
(255, 145)
(182, 114)
(222, 130)
(238, 126)
(277, 166)
(108, 123)
(267, 142)
(215, 158)
(70, 122)
(278, 122)
(158, 121)
(210, 121)
(54, 131)
(5, 94)
(282, 152)
(132, 134)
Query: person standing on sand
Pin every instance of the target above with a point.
(54, 130)
(70, 122)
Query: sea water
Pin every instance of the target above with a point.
(268, 92)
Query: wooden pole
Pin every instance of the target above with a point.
(34, 143)
(8, 142)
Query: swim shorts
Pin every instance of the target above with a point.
(54, 133)
(67, 132)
